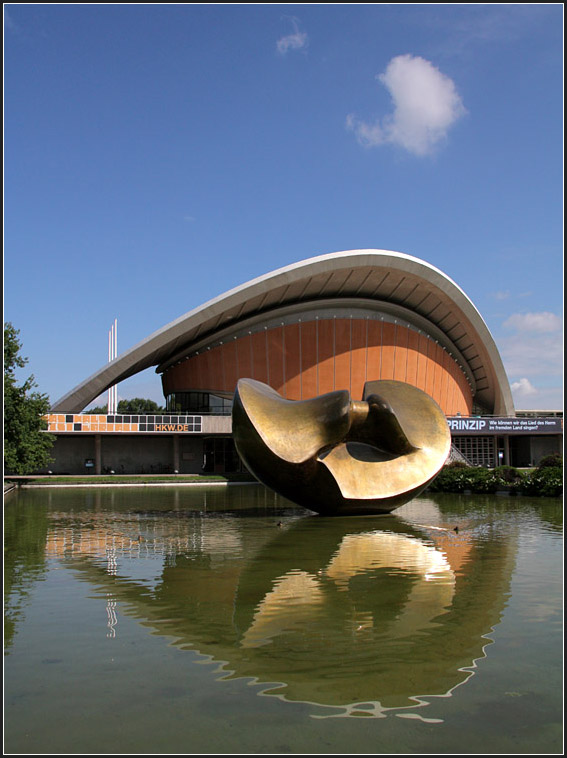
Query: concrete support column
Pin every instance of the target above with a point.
(98, 454)
(176, 452)
(506, 450)
(496, 459)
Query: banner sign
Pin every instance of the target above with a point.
(484, 425)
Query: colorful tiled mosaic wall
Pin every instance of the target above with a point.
(90, 422)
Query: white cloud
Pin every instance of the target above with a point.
(523, 387)
(501, 295)
(545, 398)
(541, 323)
(426, 105)
(533, 358)
(297, 40)
(478, 25)
(532, 355)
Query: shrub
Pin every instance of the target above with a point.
(544, 482)
(508, 474)
(457, 464)
(461, 478)
(449, 479)
(551, 461)
(485, 481)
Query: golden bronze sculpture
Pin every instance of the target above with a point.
(338, 456)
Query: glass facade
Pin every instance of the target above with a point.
(198, 402)
(479, 451)
(219, 455)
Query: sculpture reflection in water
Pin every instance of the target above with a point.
(333, 612)
(338, 456)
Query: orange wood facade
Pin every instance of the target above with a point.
(306, 359)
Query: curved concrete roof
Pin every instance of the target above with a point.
(377, 275)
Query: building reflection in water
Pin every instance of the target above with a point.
(360, 613)
(111, 613)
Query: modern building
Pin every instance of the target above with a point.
(326, 323)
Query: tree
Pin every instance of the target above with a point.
(138, 406)
(26, 447)
(99, 410)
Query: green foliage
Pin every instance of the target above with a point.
(25, 534)
(138, 406)
(461, 479)
(100, 409)
(551, 461)
(26, 447)
(509, 474)
(545, 481)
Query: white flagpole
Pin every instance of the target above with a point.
(109, 403)
(112, 404)
(115, 355)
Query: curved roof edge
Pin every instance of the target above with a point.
(155, 348)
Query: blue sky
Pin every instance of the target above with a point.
(158, 155)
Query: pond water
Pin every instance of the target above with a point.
(226, 620)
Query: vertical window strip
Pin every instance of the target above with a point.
(456, 372)
(300, 365)
(317, 349)
(350, 354)
(199, 371)
(283, 359)
(420, 358)
(451, 393)
(236, 358)
(267, 357)
(380, 353)
(395, 345)
(366, 354)
(334, 348)
(407, 353)
(446, 375)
